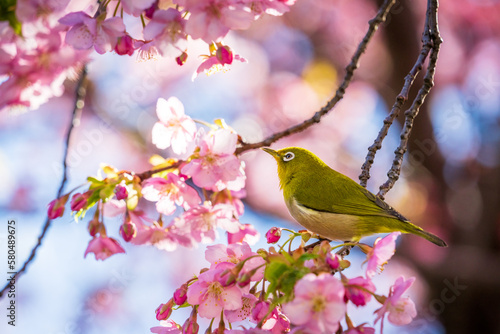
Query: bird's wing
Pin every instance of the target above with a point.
(340, 194)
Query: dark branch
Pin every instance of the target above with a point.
(430, 37)
(79, 103)
(339, 94)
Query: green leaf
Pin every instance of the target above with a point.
(8, 13)
(306, 256)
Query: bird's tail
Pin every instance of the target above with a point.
(413, 229)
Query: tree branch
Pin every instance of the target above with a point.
(79, 103)
(339, 94)
(432, 38)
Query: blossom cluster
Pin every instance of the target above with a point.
(299, 291)
(198, 195)
(44, 41)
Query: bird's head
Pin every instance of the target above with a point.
(294, 162)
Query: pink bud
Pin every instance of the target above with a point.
(180, 295)
(244, 279)
(125, 45)
(78, 201)
(273, 235)
(333, 261)
(164, 310)
(56, 207)
(181, 60)
(224, 55)
(151, 10)
(260, 311)
(121, 192)
(93, 227)
(190, 326)
(128, 231)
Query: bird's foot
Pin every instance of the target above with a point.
(344, 251)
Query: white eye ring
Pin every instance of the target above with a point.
(288, 156)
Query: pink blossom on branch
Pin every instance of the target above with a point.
(103, 247)
(167, 29)
(212, 297)
(133, 7)
(358, 290)
(217, 61)
(203, 220)
(401, 310)
(175, 129)
(318, 305)
(247, 233)
(211, 20)
(170, 192)
(215, 166)
(383, 249)
(87, 31)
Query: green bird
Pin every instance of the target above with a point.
(331, 204)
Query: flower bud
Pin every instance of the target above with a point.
(273, 235)
(164, 310)
(181, 60)
(128, 231)
(190, 326)
(333, 260)
(180, 295)
(259, 311)
(121, 192)
(244, 279)
(125, 45)
(78, 202)
(93, 227)
(224, 54)
(56, 207)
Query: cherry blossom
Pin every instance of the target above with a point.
(216, 167)
(204, 219)
(356, 290)
(273, 235)
(114, 207)
(277, 323)
(401, 309)
(78, 201)
(212, 297)
(174, 129)
(211, 20)
(103, 247)
(167, 327)
(125, 45)
(247, 233)
(248, 303)
(318, 303)
(55, 208)
(217, 61)
(383, 249)
(135, 7)
(271, 7)
(167, 29)
(169, 192)
(87, 31)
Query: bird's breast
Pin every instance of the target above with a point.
(328, 225)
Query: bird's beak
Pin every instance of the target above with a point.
(271, 152)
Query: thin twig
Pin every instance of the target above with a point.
(396, 109)
(339, 94)
(431, 35)
(79, 103)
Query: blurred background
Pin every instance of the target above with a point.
(450, 183)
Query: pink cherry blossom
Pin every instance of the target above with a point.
(218, 61)
(204, 219)
(277, 322)
(271, 7)
(401, 309)
(135, 7)
(180, 295)
(103, 247)
(113, 208)
(87, 31)
(33, 10)
(355, 290)
(216, 167)
(166, 28)
(174, 129)
(166, 238)
(248, 303)
(247, 233)
(169, 192)
(318, 303)
(167, 327)
(231, 197)
(121, 192)
(212, 297)
(211, 20)
(383, 249)
(235, 253)
(146, 50)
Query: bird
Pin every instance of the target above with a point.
(333, 205)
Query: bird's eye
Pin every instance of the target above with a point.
(288, 156)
